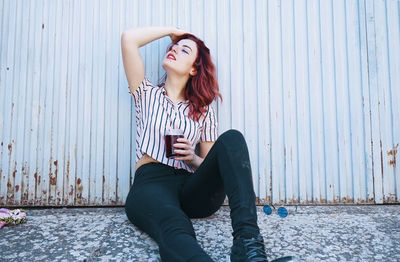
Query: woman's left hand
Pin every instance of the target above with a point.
(185, 150)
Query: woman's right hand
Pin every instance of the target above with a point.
(176, 33)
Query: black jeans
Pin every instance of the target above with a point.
(163, 199)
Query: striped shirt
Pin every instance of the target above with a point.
(156, 113)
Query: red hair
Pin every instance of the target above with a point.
(202, 88)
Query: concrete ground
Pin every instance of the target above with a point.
(312, 233)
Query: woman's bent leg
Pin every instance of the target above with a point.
(153, 206)
(226, 169)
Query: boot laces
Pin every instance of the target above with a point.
(255, 249)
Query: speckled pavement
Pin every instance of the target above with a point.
(312, 233)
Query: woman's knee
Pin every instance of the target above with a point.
(232, 138)
(232, 135)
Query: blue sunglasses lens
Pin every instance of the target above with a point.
(267, 210)
(282, 212)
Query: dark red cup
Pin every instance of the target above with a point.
(170, 140)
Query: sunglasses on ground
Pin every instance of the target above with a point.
(282, 212)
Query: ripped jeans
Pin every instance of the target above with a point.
(163, 199)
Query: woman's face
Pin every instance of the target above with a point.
(181, 57)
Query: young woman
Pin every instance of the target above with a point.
(167, 192)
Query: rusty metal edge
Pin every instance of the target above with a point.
(119, 206)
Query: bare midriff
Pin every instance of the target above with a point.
(144, 160)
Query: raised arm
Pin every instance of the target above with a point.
(134, 38)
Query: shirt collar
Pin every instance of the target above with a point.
(165, 93)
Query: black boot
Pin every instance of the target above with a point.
(253, 250)
(248, 249)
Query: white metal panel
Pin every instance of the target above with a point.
(393, 45)
(316, 102)
(249, 87)
(223, 63)
(289, 103)
(368, 192)
(359, 148)
(329, 102)
(125, 153)
(385, 99)
(342, 100)
(313, 86)
(71, 160)
(276, 102)
(263, 116)
(305, 176)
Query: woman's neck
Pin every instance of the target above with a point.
(175, 87)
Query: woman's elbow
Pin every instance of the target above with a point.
(128, 35)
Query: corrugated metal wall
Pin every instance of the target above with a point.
(313, 85)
